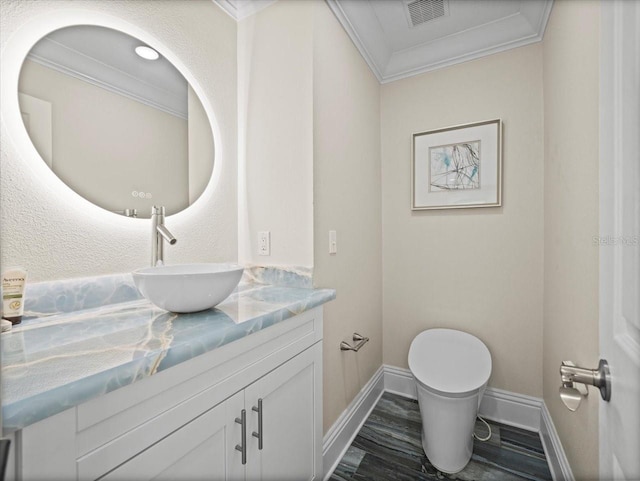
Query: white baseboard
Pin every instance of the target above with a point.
(558, 463)
(519, 410)
(511, 408)
(340, 436)
(399, 381)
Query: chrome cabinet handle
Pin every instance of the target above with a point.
(242, 421)
(259, 433)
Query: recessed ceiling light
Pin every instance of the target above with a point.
(147, 53)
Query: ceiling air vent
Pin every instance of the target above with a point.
(422, 11)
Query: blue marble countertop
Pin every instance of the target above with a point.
(62, 359)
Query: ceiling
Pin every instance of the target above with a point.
(465, 30)
(461, 30)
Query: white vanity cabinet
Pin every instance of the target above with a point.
(185, 423)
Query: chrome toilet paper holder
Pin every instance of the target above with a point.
(576, 379)
(359, 341)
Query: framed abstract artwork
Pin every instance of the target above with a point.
(457, 167)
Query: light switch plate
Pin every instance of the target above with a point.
(333, 242)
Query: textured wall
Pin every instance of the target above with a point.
(571, 176)
(477, 270)
(346, 174)
(53, 232)
(276, 133)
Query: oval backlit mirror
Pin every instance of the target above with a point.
(116, 121)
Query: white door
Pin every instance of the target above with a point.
(36, 115)
(620, 237)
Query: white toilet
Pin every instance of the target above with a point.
(451, 369)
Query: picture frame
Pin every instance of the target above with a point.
(457, 167)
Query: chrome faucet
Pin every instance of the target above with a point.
(159, 233)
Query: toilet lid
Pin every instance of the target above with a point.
(449, 361)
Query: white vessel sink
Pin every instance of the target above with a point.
(187, 287)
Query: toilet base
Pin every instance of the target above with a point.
(447, 428)
(449, 469)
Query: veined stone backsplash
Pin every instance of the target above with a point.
(283, 276)
(69, 295)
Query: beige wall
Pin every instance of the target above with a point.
(477, 270)
(105, 144)
(346, 172)
(37, 213)
(275, 83)
(571, 91)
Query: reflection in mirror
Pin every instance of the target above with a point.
(120, 128)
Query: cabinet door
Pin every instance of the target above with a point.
(203, 449)
(291, 421)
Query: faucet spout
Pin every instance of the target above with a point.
(166, 234)
(159, 233)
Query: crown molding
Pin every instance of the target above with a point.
(125, 92)
(342, 16)
(69, 61)
(241, 9)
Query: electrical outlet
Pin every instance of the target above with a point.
(264, 243)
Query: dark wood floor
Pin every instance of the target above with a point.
(388, 447)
